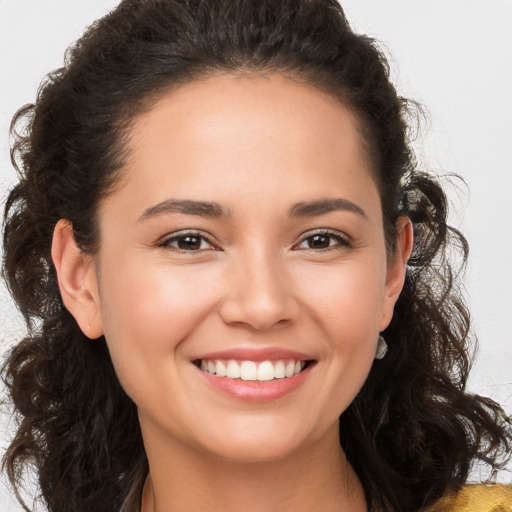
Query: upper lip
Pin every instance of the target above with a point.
(257, 354)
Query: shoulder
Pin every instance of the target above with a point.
(477, 498)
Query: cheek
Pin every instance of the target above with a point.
(147, 311)
(346, 300)
(345, 304)
(153, 296)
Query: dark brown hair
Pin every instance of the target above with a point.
(412, 433)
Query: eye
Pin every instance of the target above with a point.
(323, 240)
(188, 242)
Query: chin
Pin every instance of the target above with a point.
(254, 454)
(255, 445)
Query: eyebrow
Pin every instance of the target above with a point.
(212, 209)
(202, 208)
(322, 206)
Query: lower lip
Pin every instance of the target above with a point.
(256, 391)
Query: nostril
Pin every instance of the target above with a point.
(260, 306)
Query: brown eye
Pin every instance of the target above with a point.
(188, 242)
(319, 241)
(323, 241)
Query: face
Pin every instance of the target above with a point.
(245, 237)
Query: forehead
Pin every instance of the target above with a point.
(241, 133)
(250, 104)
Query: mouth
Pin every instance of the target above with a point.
(255, 371)
(262, 374)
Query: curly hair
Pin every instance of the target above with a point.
(412, 434)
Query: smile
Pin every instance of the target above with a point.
(255, 374)
(252, 370)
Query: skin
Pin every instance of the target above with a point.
(257, 146)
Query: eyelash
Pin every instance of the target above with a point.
(181, 236)
(341, 241)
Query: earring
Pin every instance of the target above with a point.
(382, 348)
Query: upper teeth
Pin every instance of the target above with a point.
(252, 370)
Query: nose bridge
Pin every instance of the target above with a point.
(258, 290)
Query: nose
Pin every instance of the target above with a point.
(259, 294)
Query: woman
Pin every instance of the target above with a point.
(212, 242)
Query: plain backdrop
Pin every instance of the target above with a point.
(453, 56)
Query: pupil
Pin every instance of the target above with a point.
(319, 242)
(189, 242)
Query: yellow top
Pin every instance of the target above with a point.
(477, 498)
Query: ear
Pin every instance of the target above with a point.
(76, 275)
(395, 277)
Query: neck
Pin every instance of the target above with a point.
(316, 478)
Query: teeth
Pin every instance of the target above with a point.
(290, 369)
(266, 371)
(220, 369)
(233, 370)
(279, 370)
(248, 371)
(251, 370)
